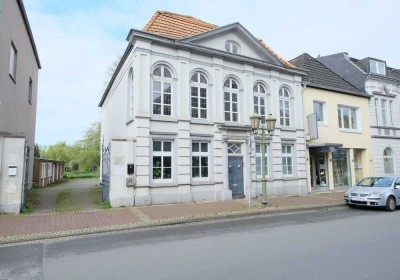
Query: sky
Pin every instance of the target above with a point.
(78, 40)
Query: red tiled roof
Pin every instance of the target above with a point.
(178, 26)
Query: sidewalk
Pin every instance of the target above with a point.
(17, 228)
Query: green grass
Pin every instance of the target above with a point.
(98, 199)
(65, 202)
(81, 175)
(33, 199)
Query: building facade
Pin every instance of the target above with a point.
(19, 65)
(175, 116)
(338, 128)
(47, 171)
(382, 83)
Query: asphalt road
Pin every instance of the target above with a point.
(339, 243)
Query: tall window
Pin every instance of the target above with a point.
(259, 101)
(388, 161)
(384, 111)
(198, 91)
(376, 110)
(30, 91)
(259, 160)
(377, 67)
(390, 112)
(284, 107)
(200, 160)
(162, 91)
(162, 160)
(231, 100)
(347, 117)
(319, 110)
(287, 160)
(130, 94)
(13, 62)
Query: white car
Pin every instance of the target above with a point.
(375, 192)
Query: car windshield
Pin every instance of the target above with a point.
(376, 182)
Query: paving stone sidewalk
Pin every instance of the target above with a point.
(17, 228)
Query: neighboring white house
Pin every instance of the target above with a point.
(175, 116)
(19, 64)
(382, 83)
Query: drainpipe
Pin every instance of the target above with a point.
(303, 88)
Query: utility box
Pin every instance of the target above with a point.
(12, 170)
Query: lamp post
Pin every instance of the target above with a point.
(269, 127)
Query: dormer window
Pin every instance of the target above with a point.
(377, 67)
(232, 47)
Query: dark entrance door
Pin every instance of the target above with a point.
(235, 170)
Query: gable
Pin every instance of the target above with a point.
(248, 45)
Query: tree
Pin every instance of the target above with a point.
(89, 154)
(36, 151)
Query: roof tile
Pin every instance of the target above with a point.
(178, 26)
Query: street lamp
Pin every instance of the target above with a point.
(269, 127)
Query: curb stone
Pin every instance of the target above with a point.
(146, 222)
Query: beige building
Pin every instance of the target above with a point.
(338, 128)
(19, 65)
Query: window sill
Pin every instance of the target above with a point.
(323, 124)
(287, 128)
(162, 185)
(201, 121)
(163, 118)
(349, 131)
(290, 178)
(201, 183)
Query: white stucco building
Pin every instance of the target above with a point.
(19, 65)
(175, 116)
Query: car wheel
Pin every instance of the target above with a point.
(390, 204)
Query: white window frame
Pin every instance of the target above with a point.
(258, 149)
(287, 167)
(387, 159)
(163, 154)
(353, 112)
(232, 47)
(130, 95)
(231, 92)
(200, 154)
(259, 97)
(285, 107)
(43, 171)
(49, 169)
(164, 81)
(322, 106)
(199, 87)
(376, 100)
(377, 67)
(13, 62)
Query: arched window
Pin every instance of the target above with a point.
(130, 95)
(232, 47)
(162, 91)
(231, 100)
(284, 107)
(198, 89)
(260, 101)
(388, 161)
